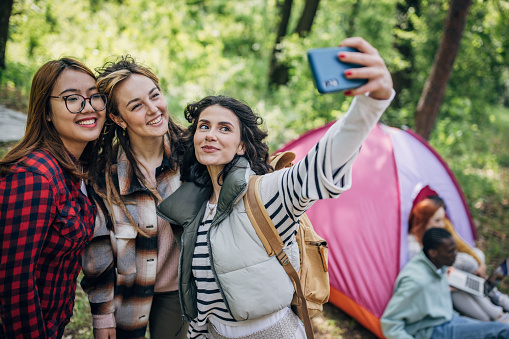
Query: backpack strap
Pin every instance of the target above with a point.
(281, 160)
(272, 242)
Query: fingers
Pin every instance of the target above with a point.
(374, 60)
(360, 44)
(376, 88)
(105, 333)
(379, 83)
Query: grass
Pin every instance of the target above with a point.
(485, 184)
(332, 323)
(81, 321)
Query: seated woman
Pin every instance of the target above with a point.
(430, 213)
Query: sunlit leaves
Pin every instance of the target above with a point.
(218, 46)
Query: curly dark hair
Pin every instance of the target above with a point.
(256, 150)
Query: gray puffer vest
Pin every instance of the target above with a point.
(252, 283)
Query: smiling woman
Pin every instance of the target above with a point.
(75, 129)
(229, 287)
(46, 217)
(217, 139)
(131, 263)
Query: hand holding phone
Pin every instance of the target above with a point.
(328, 71)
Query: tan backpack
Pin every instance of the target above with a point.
(312, 281)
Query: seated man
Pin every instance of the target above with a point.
(421, 305)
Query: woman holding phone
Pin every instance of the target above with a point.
(228, 285)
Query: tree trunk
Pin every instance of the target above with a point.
(278, 74)
(350, 27)
(404, 78)
(307, 17)
(5, 14)
(436, 84)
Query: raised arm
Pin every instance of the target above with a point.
(26, 212)
(326, 170)
(348, 134)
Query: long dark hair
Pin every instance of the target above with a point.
(40, 133)
(256, 150)
(113, 136)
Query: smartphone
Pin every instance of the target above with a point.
(328, 71)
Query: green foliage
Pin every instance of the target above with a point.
(197, 48)
(202, 47)
(479, 159)
(5, 147)
(480, 71)
(217, 46)
(80, 326)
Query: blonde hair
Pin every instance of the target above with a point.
(113, 136)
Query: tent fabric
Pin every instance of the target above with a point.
(419, 166)
(366, 227)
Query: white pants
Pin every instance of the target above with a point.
(467, 263)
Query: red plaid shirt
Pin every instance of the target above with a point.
(45, 224)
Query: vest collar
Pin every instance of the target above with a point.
(234, 187)
(185, 204)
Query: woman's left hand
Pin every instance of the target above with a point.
(379, 83)
(481, 271)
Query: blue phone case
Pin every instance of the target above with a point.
(328, 71)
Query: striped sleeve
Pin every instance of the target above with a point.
(325, 172)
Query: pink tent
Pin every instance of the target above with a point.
(366, 227)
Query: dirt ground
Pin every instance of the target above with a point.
(334, 323)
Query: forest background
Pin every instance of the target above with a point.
(255, 50)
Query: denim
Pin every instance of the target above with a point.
(465, 328)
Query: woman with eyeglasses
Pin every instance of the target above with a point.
(46, 216)
(131, 264)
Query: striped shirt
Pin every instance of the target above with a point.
(210, 301)
(325, 172)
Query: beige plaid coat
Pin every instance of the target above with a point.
(119, 264)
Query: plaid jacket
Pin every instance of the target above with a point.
(120, 265)
(45, 224)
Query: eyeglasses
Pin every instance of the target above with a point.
(75, 103)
